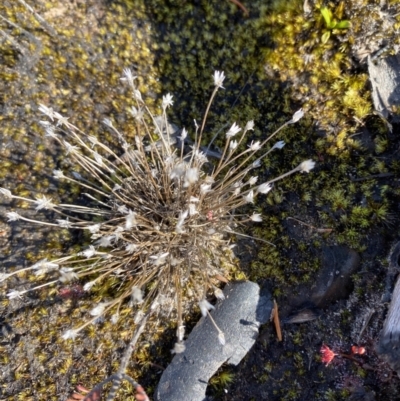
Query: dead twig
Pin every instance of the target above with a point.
(49, 29)
(371, 177)
(318, 230)
(276, 321)
(241, 6)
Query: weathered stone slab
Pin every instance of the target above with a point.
(334, 282)
(239, 316)
(385, 80)
(389, 343)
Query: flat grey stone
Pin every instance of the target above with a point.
(388, 347)
(334, 282)
(239, 316)
(385, 80)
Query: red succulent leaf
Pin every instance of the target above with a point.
(327, 355)
(95, 396)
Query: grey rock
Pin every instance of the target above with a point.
(385, 80)
(334, 280)
(389, 343)
(239, 316)
(332, 283)
(302, 315)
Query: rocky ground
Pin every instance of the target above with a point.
(333, 230)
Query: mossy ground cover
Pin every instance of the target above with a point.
(175, 48)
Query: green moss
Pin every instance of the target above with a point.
(222, 379)
(319, 61)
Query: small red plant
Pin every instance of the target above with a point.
(95, 396)
(356, 350)
(71, 292)
(327, 355)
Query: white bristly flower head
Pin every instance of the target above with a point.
(105, 241)
(264, 188)
(183, 134)
(67, 274)
(108, 122)
(219, 77)
(249, 126)
(70, 148)
(130, 220)
(7, 193)
(77, 176)
(98, 310)
(278, 145)
(177, 171)
(233, 130)
(218, 293)
(297, 116)
(134, 111)
(137, 295)
(64, 223)
(183, 216)
(180, 332)
(128, 76)
(192, 209)
(252, 180)
(233, 145)
(50, 132)
(13, 216)
(61, 120)
(137, 95)
(205, 188)
(130, 248)
(44, 203)
(93, 140)
(114, 318)
(179, 347)
(13, 294)
(44, 266)
(306, 166)
(123, 209)
(256, 217)
(159, 260)
(89, 285)
(70, 335)
(167, 101)
(58, 174)
(191, 176)
(205, 306)
(249, 198)
(98, 158)
(255, 146)
(48, 111)
(88, 253)
(94, 228)
(4, 276)
(221, 338)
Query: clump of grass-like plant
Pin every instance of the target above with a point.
(162, 214)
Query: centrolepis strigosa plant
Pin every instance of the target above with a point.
(161, 213)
